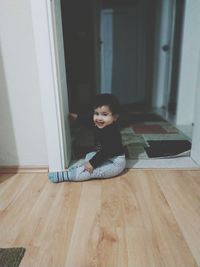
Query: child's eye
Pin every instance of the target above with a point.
(105, 114)
(96, 113)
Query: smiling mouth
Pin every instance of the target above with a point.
(98, 123)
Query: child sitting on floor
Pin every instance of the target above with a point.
(109, 159)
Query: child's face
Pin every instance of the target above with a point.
(103, 117)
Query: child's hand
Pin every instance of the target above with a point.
(88, 167)
(73, 116)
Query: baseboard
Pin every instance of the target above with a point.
(24, 169)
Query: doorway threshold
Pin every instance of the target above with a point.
(167, 163)
(171, 163)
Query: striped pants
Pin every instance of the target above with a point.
(109, 168)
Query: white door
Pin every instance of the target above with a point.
(163, 52)
(123, 53)
(106, 31)
(61, 80)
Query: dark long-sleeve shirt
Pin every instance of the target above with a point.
(108, 141)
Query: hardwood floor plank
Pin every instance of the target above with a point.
(65, 224)
(10, 188)
(85, 226)
(153, 236)
(182, 190)
(17, 206)
(111, 245)
(37, 220)
(53, 229)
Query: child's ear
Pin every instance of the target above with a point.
(116, 116)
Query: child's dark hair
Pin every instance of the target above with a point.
(108, 100)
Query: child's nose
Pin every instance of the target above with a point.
(100, 117)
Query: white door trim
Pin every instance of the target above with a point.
(48, 80)
(190, 74)
(165, 16)
(55, 20)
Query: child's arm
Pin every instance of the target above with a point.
(98, 159)
(85, 119)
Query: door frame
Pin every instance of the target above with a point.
(48, 80)
(163, 52)
(60, 71)
(44, 38)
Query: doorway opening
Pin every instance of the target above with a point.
(109, 47)
(131, 49)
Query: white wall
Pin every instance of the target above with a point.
(22, 139)
(189, 63)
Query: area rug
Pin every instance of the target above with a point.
(11, 257)
(167, 148)
(146, 129)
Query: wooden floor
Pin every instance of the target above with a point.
(143, 218)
